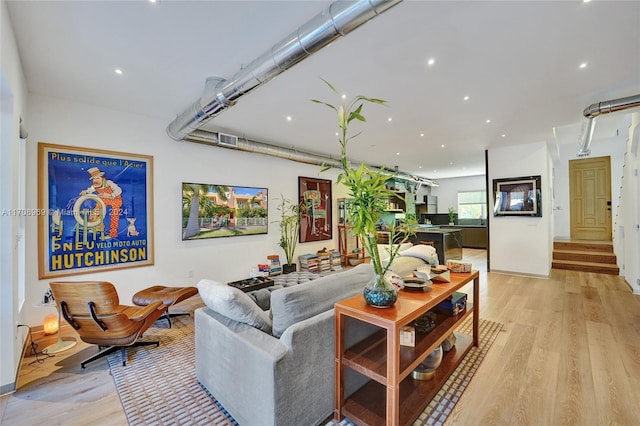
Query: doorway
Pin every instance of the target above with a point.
(590, 195)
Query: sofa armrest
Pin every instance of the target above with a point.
(237, 364)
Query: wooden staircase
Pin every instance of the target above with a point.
(585, 256)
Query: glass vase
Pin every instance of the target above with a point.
(380, 292)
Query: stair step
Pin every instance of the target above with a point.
(599, 246)
(598, 268)
(585, 256)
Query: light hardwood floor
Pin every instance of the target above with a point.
(568, 353)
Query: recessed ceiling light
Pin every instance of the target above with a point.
(397, 153)
(153, 1)
(466, 98)
(504, 135)
(435, 171)
(451, 163)
(118, 71)
(419, 167)
(389, 119)
(431, 61)
(583, 65)
(344, 96)
(288, 118)
(488, 121)
(442, 146)
(337, 134)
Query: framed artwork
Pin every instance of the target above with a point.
(212, 211)
(95, 210)
(521, 196)
(315, 202)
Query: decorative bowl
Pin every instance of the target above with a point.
(353, 261)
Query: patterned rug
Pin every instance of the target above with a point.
(158, 386)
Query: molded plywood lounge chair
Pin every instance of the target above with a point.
(93, 309)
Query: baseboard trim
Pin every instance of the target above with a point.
(545, 277)
(7, 389)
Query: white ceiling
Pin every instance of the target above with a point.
(518, 61)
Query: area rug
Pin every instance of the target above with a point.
(158, 386)
(436, 413)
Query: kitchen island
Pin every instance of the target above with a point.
(447, 241)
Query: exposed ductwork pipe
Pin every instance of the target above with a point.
(339, 19)
(594, 110)
(211, 138)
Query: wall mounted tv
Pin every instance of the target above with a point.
(212, 211)
(521, 196)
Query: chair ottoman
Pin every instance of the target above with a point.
(169, 296)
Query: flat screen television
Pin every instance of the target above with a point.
(213, 211)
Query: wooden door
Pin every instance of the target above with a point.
(590, 198)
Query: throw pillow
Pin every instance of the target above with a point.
(405, 265)
(233, 304)
(383, 250)
(421, 251)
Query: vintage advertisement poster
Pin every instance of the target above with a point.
(95, 210)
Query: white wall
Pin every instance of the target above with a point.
(521, 245)
(613, 147)
(628, 250)
(447, 191)
(13, 101)
(224, 259)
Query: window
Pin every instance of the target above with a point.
(472, 205)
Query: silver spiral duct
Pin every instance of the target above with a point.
(594, 110)
(340, 18)
(211, 138)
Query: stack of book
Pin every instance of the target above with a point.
(274, 264)
(336, 263)
(309, 262)
(324, 262)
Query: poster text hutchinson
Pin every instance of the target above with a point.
(68, 255)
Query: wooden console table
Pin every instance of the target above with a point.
(392, 397)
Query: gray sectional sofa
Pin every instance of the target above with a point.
(275, 367)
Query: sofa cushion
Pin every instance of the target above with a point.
(233, 304)
(421, 251)
(383, 250)
(296, 303)
(405, 265)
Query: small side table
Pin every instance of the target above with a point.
(61, 344)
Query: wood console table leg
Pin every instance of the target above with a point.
(476, 309)
(339, 368)
(393, 368)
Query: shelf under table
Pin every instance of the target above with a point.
(367, 405)
(369, 357)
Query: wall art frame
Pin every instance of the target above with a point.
(519, 196)
(95, 210)
(223, 211)
(316, 209)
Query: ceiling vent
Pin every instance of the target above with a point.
(230, 141)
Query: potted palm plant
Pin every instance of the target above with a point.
(289, 230)
(369, 196)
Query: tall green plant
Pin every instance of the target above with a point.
(289, 227)
(366, 187)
